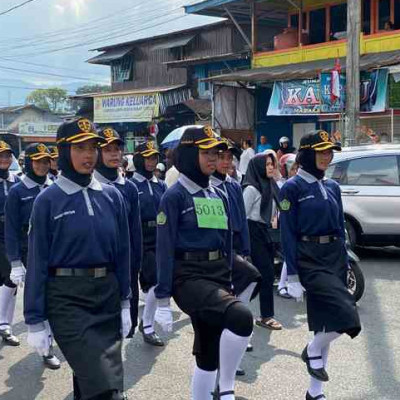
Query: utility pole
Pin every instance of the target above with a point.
(353, 71)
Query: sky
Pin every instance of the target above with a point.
(46, 42)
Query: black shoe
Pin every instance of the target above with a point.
(317, 373)
(118, 395)
(9, 338)
(319, 397)
(240, 372)
(153, 339)
(51, 361)
(249, 348)
(141, 326)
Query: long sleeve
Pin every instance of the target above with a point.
(288, 220)
(249, 198)
(167, 225)
(13, 226)
(38, 261)
(244, 232)
(137, 236)
(123, 252)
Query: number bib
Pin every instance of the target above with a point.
(210, 213)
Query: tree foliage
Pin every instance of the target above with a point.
(52, 99)
(93, 89)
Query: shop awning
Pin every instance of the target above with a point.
(172, 43)
(110, 55)
(306, 70)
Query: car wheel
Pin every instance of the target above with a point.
(351, 230)
(355, 281)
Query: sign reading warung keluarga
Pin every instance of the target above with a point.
(138, 107)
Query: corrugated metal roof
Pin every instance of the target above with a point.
(307, 70)
(13, 109)
(207, 59)
(110, 55)
(176, 42)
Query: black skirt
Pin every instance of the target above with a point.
(243, 274)
(5, 267)
(323, 273)
(203, 287)
(85, 317)
(148, 273)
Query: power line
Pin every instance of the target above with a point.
(15, 7)
(29, 88)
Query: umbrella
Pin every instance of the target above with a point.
(173, 138)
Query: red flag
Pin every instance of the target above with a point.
(335, 81)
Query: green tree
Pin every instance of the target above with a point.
(52, 99)
(93, 89)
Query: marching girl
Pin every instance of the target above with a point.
(79, 268)
(151, 190)
(194, 253)
(313, 238)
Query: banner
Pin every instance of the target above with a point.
(313, 97)
(38, 128)
(300, 97)
(126, 108)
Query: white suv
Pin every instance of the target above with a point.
(369, 177)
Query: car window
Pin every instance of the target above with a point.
(372, 171)
(336, 171)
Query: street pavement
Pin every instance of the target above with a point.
(366, 368)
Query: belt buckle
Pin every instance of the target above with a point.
(324, 239)
(99, 273)
(213, 255)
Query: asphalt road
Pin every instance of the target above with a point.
(366, 368)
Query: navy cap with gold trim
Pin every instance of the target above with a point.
(4, 146)
(318, 141)
(37, 151)
(111, 136)
(202, 137)
(77, 131)
(53, 151)
(146, 149)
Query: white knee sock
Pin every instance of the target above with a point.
(315, 388)
(11, 307)
(203, 384)
(320, 341)
(149, 311)
(283, 281)
(231, 350)
(245, 296)
(6, 298)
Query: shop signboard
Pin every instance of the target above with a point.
(38, 128)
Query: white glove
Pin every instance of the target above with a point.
(126, 322)
(164, 318)
(296, 291)
(40, 341)
(18, 273)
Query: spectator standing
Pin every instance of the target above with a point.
(264, 145)
(247, 155)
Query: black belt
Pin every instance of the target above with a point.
(80, 272)
(200, 255)
(320, 239)
(149, 224)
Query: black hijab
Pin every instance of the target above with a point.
(256, 176)
(307, 160)
(187, 162)
(31, 174)
(111, 174)
(138, 161)
(67, 169)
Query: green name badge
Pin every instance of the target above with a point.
(210, 213)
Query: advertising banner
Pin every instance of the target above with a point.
(312, 97)
(126, 108)
(38, 128)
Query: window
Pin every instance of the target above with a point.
(366, 23)
(122, 69)
(396, 14)
(317, 26)
(372, 171)
(294, 21)
(336, 171)
(384, 13)
(338, 20)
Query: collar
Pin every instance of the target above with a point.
(11, 178)
(30, 184)
(140, 178)
(192, 187)
(308, 177)
(102, 179)
(69, 187)
(214, 181)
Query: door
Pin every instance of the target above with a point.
(299, 130)
(371, 193)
